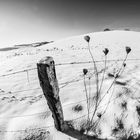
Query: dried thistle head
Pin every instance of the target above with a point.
(85, 71)
(124, 64)
(106, 50)
(99, 115)
(128, 49)
(87, 38)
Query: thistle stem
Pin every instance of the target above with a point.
(89, 93)
(97, 82)
(114, 79)
(103, 75)
(86, 98)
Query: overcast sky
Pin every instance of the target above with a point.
(26, 21)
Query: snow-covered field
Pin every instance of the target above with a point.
(23, 106)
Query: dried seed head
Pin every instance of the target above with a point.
(87, 38)
(106, 51)
(128, 50)
(85, 71)
(124, 64)
(99, 115)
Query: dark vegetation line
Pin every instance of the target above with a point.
(28, 129)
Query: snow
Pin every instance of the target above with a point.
(73, 49)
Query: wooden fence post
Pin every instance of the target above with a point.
(49, 85)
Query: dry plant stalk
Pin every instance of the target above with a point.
(98, 88)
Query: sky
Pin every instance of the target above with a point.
(27, 21)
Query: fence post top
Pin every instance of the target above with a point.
(46, 60)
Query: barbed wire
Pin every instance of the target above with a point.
(37, 88)
(71, 63)
(64, 84)
(42, 94)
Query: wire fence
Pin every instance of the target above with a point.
(72, 63)
(62, 85)
(40, 113)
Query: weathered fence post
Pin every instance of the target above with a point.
(49, 85)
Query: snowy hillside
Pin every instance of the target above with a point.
(23, 106)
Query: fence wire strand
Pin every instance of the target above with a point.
(71, 63)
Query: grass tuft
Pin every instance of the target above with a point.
(124, 105)
(36, 134)
(77, 108)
